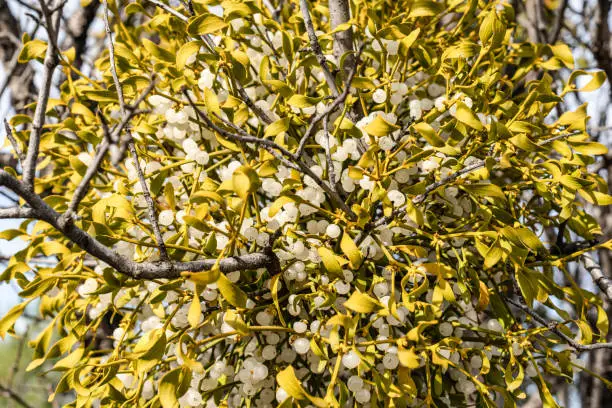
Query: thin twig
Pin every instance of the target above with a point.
(11, 138)
(330, 108)
(14, 396)
(50, 62)
(330, 164)
(553, 325)
(316, 48)
(125, 113)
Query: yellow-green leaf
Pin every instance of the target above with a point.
(380, 127)
(351, 250)
(362, 303)
(231, 292)
(31, 50)
(205, 24)
(466, 116)
(185, 52)
(329, 261)
(245, 181)
(9, 319)
(428, 133)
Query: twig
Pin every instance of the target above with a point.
(11, 138)
(14, 396)
(92, 169)
(50, 62)
(330, 108)
(271, 147)
(552, 325)
(124, 111)
(558, 22)
(316, 48)
(330, 164)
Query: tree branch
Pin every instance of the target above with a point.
(126, 114)
(331, 107)
(316, 48)
(340, 13)
(552, 325)
(146, 270)
(50, 62)
(602, 281)
(14, 396)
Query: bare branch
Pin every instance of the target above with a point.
(11, 138)
(330, 108)
(14, 396)
(340, 13)
(50, 62)
(553, 326)
(554, 36)
(125, 112)
(145, 270)
(602, 281)
(92, 169)
(17, 212)
(330, 164)
(316, 48)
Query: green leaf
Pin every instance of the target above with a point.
(380, 127)
(493, 256)
(245, 181)
(205, 24)
(485, 190)
(194, 314)
(415, 214)
(232, 318)
(527, 286)
(362, 303)
(563, 52)
(512, 383)
(185, 52)
(596, 197)
(277, 127)
(287, 380)
(466, 116)
(302, 101)
(205, 277)
(31, 50)
(8, 320)
(330, 261)
(351, 250)
(428, 133)
(231, 292)
(168, 388)
(158, 52)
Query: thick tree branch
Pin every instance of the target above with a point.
(145, 270)
(340, 13)
(602, 281)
